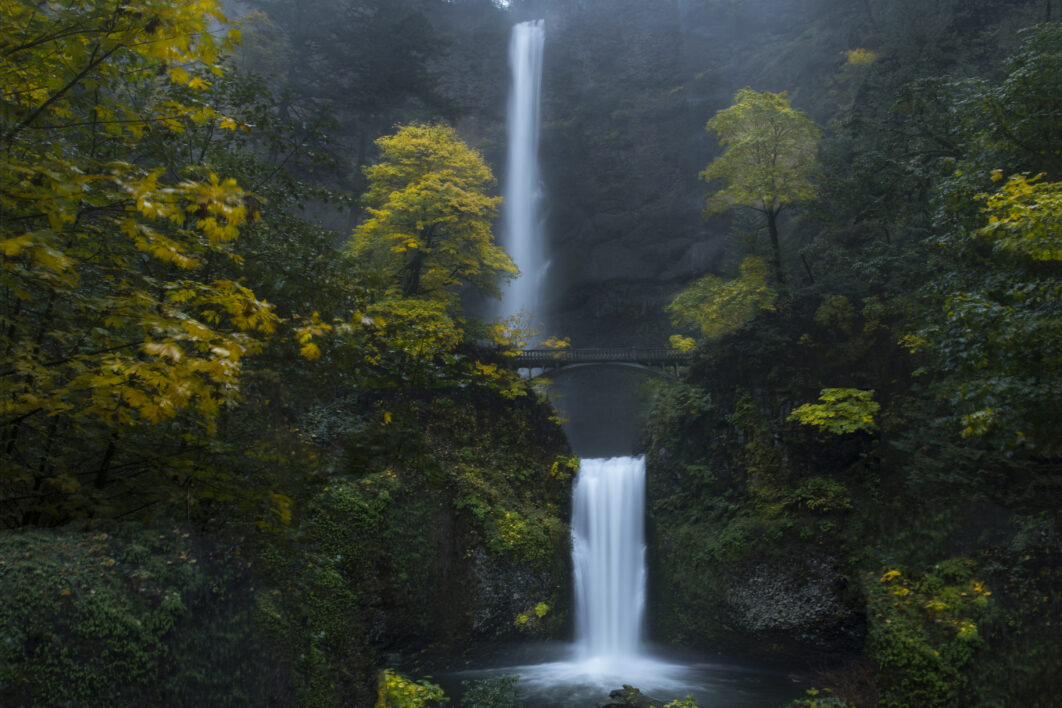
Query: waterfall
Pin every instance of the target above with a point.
(522, 232)
(608, 499)
(608, 552)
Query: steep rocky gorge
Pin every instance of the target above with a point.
(627, 89)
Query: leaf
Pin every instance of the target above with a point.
(840, 411)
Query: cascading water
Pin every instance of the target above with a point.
(608, 538)
(608, 553)
(522, 228)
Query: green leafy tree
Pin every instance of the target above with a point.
(994, 303)
(997, 342)
(426, 240)
(1020, 117)
(768, 162)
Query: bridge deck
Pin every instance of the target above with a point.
(556, 358)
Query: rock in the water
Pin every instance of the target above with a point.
(629, 696)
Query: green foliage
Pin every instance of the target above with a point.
(113, 323)
(718, 307)
(760, 456)
(999, 321)
(1010, 330)
(836, 311)
(145, 615)
(676, 407)
(530, 620)
(437, 493)
(364, 546)
(816, 698)
(1020, 664)
(997, 295)
(494, 692)
(840, 411)
(1018, 130)
(150, 614)
(122, 370)
(513, 496)
(397, 691)
(924, 632)
(822, 495)
(936, 228)
(426, 240)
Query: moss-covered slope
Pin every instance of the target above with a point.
(442, 523)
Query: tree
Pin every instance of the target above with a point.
(994, 301)
(111, 327)
(429, 228)
(718, 307)
(1022, 114)
(997, 342)
(769, 159)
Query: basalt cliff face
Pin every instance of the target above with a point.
(627, 89)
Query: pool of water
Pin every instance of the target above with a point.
(552, 676)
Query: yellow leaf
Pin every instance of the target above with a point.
(179, 75)
(13, 246)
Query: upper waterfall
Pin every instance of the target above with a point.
(521, 236)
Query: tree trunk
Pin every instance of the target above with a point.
(772, 229)
(416, 263)
(412, 284)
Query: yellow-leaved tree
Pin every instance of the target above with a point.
(429, 228)
(426, 239)
(717, 307)
(106, 325)
(769, 158)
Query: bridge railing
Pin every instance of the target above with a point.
(548, 358)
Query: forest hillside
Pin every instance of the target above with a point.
(260, 443)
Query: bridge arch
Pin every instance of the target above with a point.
(660, 359)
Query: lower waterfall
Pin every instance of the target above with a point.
(609, 561)
(608, 554)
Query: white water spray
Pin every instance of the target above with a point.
(608, 535)
(522, 228)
